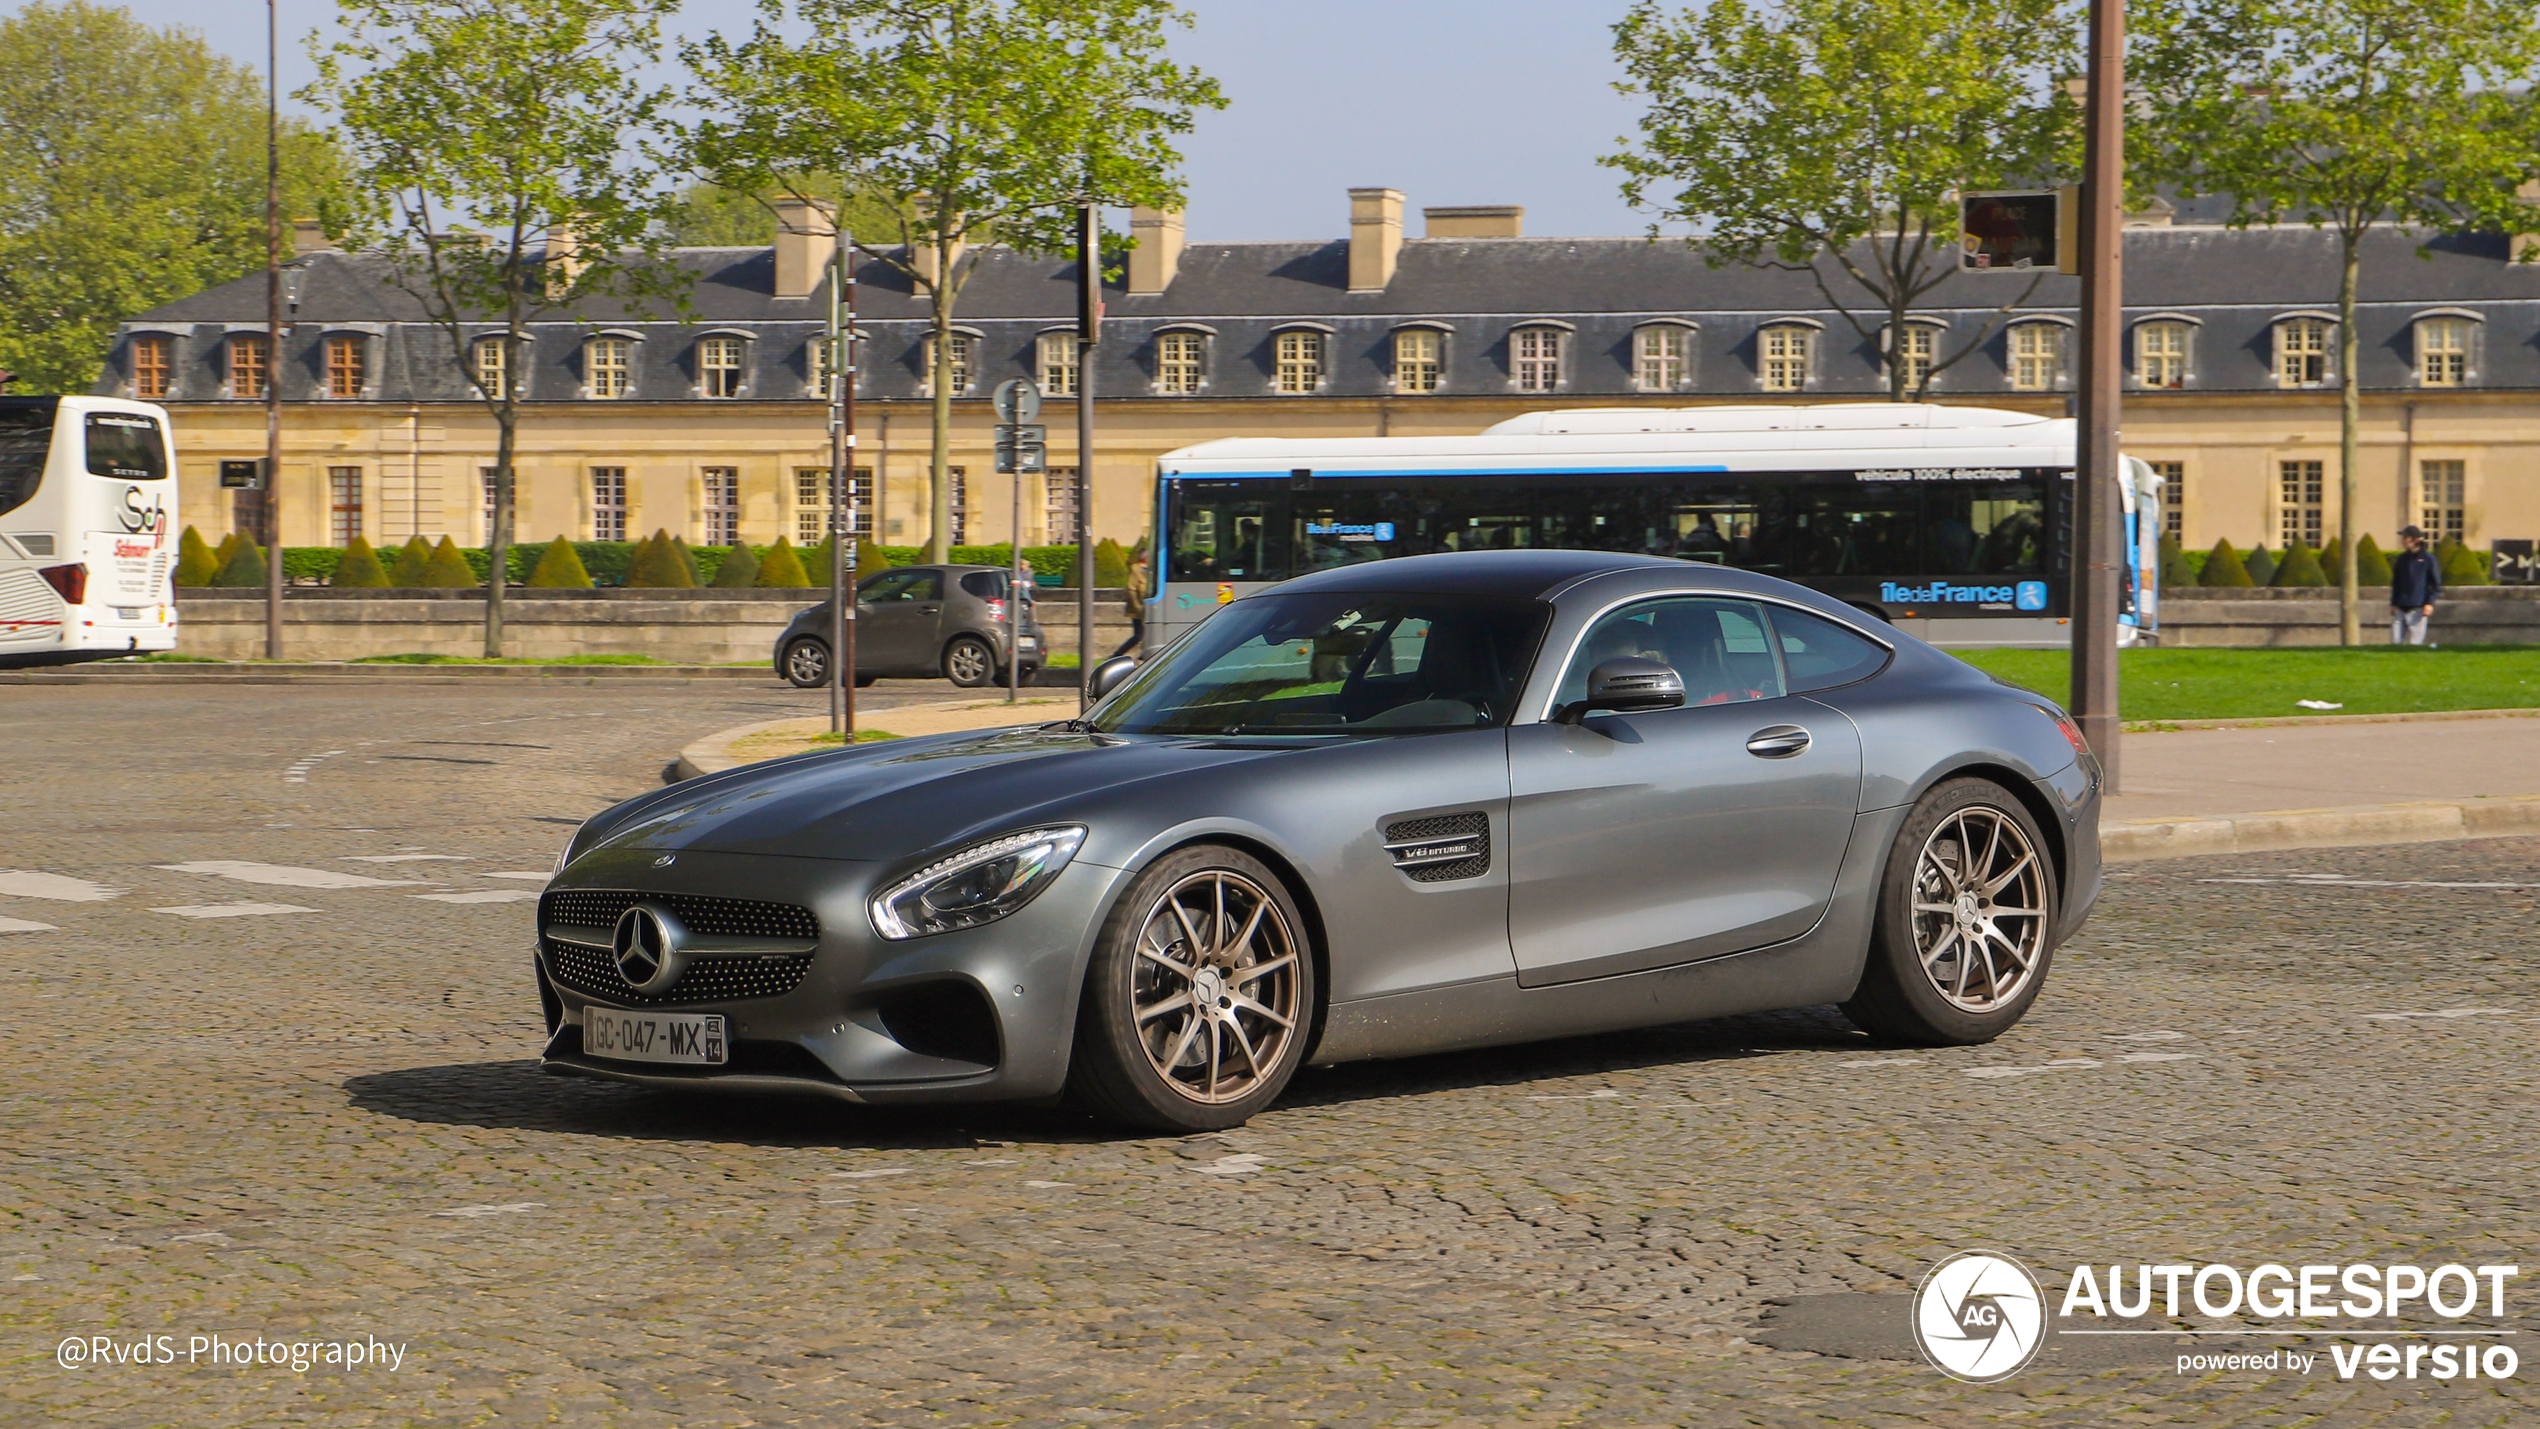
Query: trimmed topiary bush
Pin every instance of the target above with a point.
(870, 558)
(739, 570)
(359, 568)
(657, 565)
(559, 568)
(406, 571)
(2372, 567)
(447, 569)
(2223, 568)
(2175, 571)
(245, 568)
(2299, 568)
(195, 563)
(687, 561)
(2463, 566)
(781, 569)
(1111, 563)
(2261, 566)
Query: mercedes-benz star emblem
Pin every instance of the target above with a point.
(647, 946)
(666, 860)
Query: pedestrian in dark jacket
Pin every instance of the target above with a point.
(2416, 582)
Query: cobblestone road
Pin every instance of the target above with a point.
(326, 1124)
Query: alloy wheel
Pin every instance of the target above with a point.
(806, 664)
(1979, 909)
(967, 663)
(1215, 989)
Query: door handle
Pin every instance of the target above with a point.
(1778, 742)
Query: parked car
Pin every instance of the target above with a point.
(1408, 806)
(918, 622)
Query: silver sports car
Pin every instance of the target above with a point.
(1393, 808)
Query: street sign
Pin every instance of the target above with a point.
(1022, 447)
(2019, 232)
(1017, 400)
(242, 475)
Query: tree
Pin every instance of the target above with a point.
(195, 563)
(132, 172)
(712, 216)
(1835, 134)
(2342, 114)
(971, 120)
(542, 190)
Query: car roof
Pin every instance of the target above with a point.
(1515, 573)
(923, 567)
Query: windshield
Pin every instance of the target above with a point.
(126, 446)
(1344, 663)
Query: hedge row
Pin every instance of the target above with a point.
(2300, 567)
(612, 563)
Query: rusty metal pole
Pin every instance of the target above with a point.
(2097, 553)
(842, 522)
(1088, 332)
(273, 335)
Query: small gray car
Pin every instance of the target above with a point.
(1408, 806)
(919, 622)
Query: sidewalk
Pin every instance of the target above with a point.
(726, 749)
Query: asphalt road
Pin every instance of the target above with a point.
(324, 1125)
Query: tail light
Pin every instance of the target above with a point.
(69, 582)
(2071, 731)
(996, 610)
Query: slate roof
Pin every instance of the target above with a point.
(2233, 285)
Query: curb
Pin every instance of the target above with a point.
(2169, 726)
(347, 673)
(713, 753)
(2140, 840)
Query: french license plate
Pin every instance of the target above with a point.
(694, 1038)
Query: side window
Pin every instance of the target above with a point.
(901, 586)
(1820, 654)
(1719, 648)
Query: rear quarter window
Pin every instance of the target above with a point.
(1819, 654)
(26, 438)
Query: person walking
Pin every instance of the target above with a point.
(1134, 596)
(2416, 582)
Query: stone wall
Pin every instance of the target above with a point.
(2470, 615)
(700, 627)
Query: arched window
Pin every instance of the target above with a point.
(719, 366)
(608, 372)
(2443, 343)
(1181, 362)
(1662, 357)
(1419, 359)
(1534, 358)
(1056, 352)
(1786, 355)
(2301, 352)
(2037, 356)
(1299, 356)
(2160, 354)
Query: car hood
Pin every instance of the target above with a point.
(892, 800)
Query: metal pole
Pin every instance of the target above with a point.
(2097, 557)
(842, 522)
(273, 335)
(1015, 580)
(1088, 332)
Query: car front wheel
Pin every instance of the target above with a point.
(806, 664)
(1965, 925)
(968, 662)
(1199, 999)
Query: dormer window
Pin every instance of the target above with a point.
(719, 366)
(1534, 358)
(249, 364)
(1299, 355)
(1785, 355)
(153, 366)
(957, 352)
(2160, 355)
(2301, 352)
(1914, 348)
(1056, 354)
(1419, 359)
(347, 364)
(607, 367)
(2443, 351)
(1181, 362)
(2037, 356)
(1662, 357)
(489, 365)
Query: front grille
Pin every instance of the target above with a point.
(717, 917)
(1473, 827)
(594, 973)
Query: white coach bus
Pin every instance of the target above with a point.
(87, 560)
(1951, 522)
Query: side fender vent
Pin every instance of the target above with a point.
(1440, 849)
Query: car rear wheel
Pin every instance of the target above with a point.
(968, 662)
(806, 664)
(1200, 997)
(1965, 926)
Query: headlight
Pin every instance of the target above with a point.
(980, 884)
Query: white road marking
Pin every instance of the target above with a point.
(868, 1175)
(1997, 1073)
(2146, 1036)
(2446, 1014)
(28, 883)
(234, 910)
(299, 773)
(478, 1213)
(2334, 880)
(21, 925)
(997, 1161)
(1051, 1185)
(1605, 1094)
(208, 1237)
(1242, 1163)
(2157, 1057)
(481, 895)
(403, 857)
(285, 876)
(541, 877)
(1884, 1062)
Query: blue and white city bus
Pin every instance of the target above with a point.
(87, 562)
(1949, 521)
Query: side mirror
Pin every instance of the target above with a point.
(1626, 685)
(1111, 674)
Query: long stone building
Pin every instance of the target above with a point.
(709, 425)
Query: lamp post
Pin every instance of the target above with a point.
(2097, 552)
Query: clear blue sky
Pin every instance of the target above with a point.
(1450, 101)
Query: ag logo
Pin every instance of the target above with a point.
(1979, 1317)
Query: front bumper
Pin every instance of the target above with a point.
(2075, 794)
(984, 1014)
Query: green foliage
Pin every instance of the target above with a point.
(2371, 566)
(2224, 567)
(359, 567)
(2300, 567)
(133, 173)
(687, 560)
(310, 565)
(2175, 568)
(195, 564)
(739, 570)
(228, 544)
(2463, 566)
(559, 568)
(406, 571)
(2261, 566)
(1790, 134)
(244, 568)
(1111, 564)
(712, 216)
(870, 558)
(448, 569)
(657, 565)
(780, 569)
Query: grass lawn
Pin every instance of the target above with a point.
(2263, 681)
(508, 660)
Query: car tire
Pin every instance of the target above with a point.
(968, 662)
(805, 664)
(863, 680)
(1151, 1051)
(1960, 945)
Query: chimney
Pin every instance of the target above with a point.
(1157, 255)
(563, 265)
(806, 232)
(1375, 238)
(308, 236)
(1487, 220)
(921, 259)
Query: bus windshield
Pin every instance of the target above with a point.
(1339, 663)
(126, 445)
